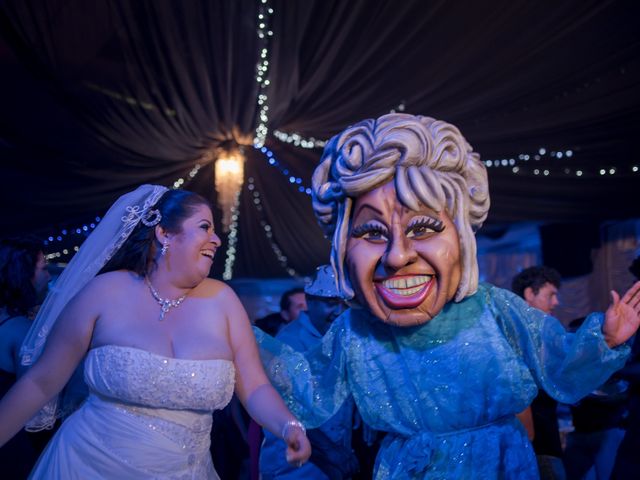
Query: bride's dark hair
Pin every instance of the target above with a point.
(137, 254)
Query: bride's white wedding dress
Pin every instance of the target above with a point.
(147, 416)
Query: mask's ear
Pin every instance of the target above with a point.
(529, 295)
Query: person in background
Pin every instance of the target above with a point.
(539, 286)
(332, 457)
(23, 284)
(322, 305)
(292, 302)
(163, 346)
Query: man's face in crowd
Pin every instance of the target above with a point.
(297, 303)
(546, 299)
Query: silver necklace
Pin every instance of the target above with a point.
(166, 304)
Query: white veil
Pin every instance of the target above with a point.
(112, 231)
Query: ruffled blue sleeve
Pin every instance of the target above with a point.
(313, 384)
(566, 365)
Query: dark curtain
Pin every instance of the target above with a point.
(99, 97)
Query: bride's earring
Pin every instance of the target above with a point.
(165, 248)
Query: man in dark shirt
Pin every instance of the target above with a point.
(292, 303)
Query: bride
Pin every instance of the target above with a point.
(163, 346)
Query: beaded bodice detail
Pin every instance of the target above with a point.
(136, 377)
(147, 416)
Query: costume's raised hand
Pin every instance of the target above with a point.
(622, 318)
(298, 446)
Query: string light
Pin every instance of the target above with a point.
(194, 171)
(262, 70)
(311, 142)
(58, 254)
(578, 172)
(522, 158)
(527, 160)
(400, 108)
(83, 231)
(298, 140)
(232, 240)
(542, 153)
(268, 231)
(293, 180)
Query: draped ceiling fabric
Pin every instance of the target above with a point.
(98, 97)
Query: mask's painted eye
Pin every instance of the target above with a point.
(422, 227)
(372, 231)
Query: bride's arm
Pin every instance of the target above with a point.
(261, 400)
(66, 345)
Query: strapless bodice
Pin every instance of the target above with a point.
(137, 377)
(147, 417)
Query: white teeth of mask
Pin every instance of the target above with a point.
(407, 291)
(417, 281)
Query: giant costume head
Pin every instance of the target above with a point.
(401, 197)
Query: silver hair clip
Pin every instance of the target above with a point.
(147, 216)
(151, 217)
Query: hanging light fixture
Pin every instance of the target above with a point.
(229, 177)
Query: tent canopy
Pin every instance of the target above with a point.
(99, 97)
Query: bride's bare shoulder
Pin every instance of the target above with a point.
(213, 288)
(104, 289)
(119, 280)
(220, 293)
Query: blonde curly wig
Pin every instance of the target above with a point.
(430, 163)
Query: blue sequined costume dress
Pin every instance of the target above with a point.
(446, 391)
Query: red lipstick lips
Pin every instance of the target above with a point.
(407, 291)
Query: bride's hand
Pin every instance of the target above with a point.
(298, 446)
